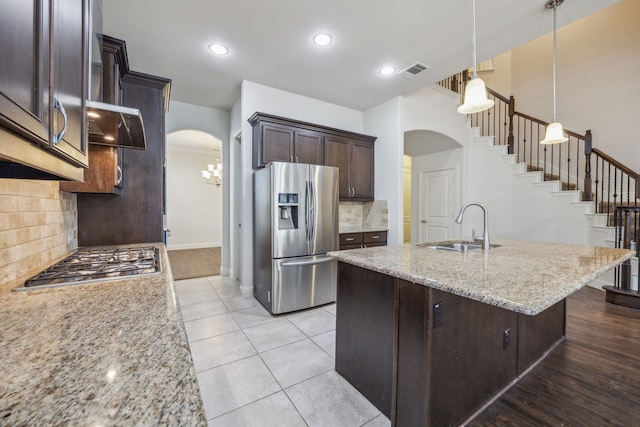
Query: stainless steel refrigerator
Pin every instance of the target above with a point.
(295, 223)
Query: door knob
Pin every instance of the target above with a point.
(424, 221)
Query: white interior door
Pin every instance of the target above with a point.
(437, 199)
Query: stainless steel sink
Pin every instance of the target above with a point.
(456, 246)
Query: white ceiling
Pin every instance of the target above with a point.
(270, 42)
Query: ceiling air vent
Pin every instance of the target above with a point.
(413, 70)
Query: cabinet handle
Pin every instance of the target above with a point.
(119, 176)
(296, 159)
(58, 137)
(375, 237)
(349, 239)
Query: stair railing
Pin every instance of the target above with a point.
(616, 185)
(571, 162)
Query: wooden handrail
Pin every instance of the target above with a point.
(497, 95)
(616, 163)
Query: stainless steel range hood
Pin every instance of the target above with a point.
(115, 125)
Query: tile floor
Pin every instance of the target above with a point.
(255, 369)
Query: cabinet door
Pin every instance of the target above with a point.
(24, 69)
(277, 144)
(308, 147)
(362, 170)
(337, 153)
(69, 38)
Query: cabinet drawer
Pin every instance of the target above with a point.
(348, 239)
(375, 237)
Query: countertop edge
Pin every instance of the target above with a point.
(527, 309)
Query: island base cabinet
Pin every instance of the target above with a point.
(451, 355)
(425, 357)
(538, 334)
(366, 308)
(473, 353)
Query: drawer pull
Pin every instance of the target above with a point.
(375, 237)
(349, 239)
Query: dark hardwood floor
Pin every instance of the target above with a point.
(590, 379)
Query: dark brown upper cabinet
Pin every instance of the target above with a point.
(43, 87)
(355, 160)
(284, 140)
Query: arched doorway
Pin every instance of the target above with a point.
(435, 185)
(194, 202)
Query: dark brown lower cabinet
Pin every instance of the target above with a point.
(365, 239)
(365, 340)
(427, 357)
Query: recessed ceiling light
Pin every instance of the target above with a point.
(322, 39)
(387, 71)
(218, 49)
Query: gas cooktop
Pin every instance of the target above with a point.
(96, 265)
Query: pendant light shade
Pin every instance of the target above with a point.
(555, 133)
(475, 97)
(475, 93)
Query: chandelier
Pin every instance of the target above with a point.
(213, 174)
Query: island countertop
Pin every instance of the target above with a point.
(109, 353)
(525, 277)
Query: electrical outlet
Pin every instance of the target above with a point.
(506, 338)
(438, 315)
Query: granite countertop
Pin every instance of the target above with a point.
(360, 229)
(108, 353)
(525, 277)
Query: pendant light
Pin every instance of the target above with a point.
(555, 133)
(475, 93)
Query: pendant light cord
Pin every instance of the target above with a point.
(475, 58)
(554, 63)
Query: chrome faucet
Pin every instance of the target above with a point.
(485, 232)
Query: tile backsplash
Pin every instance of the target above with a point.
(38, 227)
(364, 215)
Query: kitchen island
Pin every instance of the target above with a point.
(429, 336)
(107, 353)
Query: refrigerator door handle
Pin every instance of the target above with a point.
(312, 213)
(309, 262)
(306, 212)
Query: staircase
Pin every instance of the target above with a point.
(583, 177)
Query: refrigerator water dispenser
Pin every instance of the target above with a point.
(288, 211)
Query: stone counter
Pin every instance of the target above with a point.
(525, 277)
(108, 353)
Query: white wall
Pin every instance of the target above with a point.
(194, 213)
(488, 179)
(183, 116)
(232, 265)
(434, 109)
(383, 121)
(256, 97)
